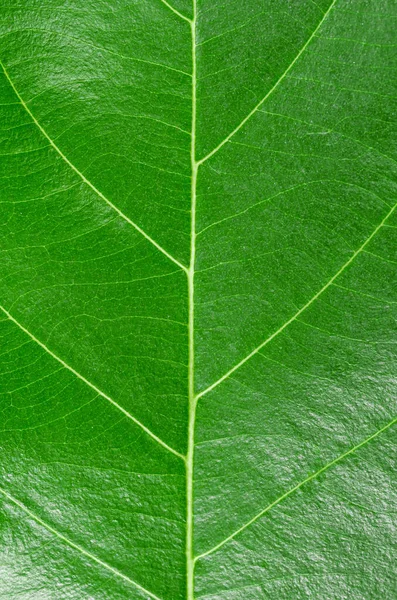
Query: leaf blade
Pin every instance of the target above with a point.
(198, 298)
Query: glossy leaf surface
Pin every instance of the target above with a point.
(198, 277)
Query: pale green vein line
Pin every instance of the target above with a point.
(190, 281)
(297, 487)
(301, 310)
(92, 386)
(176, 11)
(275, 86)
(86, 181)
(75, 546)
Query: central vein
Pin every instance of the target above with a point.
(190, 279)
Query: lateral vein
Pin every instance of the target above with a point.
(296, 488)
(83, 177)
(75, 546)
(176, 11)
(275, 86)
(301, 310)
(91, 385)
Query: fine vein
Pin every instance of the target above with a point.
(275, 86)
(301, 310)
(75, 546)
(83, 177)
(91, 385)
(297, 487)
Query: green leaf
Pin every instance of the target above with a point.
(198, 299)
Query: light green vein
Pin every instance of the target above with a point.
(301, 310)
(275, 86)
(176, 11)
(296, 488)
(86, 181)
(91, 385)
(75, 546)
(190, 281)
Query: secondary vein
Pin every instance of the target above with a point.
(83, 177)
(301, 310)
(275, 86)
(174, 10)
(75, 546)
(91, 385)
(296, 488)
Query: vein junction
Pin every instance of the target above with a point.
(272, 89)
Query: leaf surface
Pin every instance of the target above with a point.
(198, 300)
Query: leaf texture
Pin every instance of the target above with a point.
(198, 308)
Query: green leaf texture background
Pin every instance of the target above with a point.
(198, 277)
